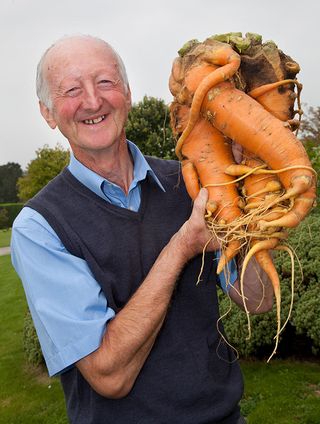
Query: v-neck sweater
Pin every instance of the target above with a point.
(190, 375)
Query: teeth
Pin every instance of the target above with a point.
(94, 121)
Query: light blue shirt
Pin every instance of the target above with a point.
(68, 307)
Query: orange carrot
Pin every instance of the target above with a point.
(205, 155)
(216, 62)
(279, 99)
(243, 120)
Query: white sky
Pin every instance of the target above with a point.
(147, 34)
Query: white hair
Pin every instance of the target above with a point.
(42, 86)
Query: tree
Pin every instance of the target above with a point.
(310, 126)
(310, 137)
(148, 127)
(48, 163)
(9, 174)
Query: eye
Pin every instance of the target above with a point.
(106, 83)
(73, 91)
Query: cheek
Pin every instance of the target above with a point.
(66, 109)
(119, 101)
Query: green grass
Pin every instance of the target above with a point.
(281, 392)
(27, 396)
(5, 236)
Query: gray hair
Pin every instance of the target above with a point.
(42, 86)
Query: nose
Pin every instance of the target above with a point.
(91, 99)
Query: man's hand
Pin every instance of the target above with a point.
(194, 234)
(258, 289)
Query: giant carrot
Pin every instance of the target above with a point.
(279, 181)
(243, 120)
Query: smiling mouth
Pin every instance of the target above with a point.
(94, 121)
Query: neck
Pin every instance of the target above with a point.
(114, 163)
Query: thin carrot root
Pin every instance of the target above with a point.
(266, 263)
(280, 329)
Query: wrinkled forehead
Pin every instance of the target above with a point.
(77, 55)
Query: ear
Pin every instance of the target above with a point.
(47, 114)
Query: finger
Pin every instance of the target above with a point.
(199, 207)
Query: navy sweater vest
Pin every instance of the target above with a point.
(190, 376)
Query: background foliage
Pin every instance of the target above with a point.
(48, 163)
(31, 345)
(8, 213)
(309, 134)
(9, 174)
(4, 219)
(310, 125)
(302, 334)
(148, 126)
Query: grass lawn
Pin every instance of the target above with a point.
(5, 236)
(281, 392)
(27, 396)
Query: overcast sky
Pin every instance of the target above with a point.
(147, 34)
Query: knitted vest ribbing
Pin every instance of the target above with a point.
(187, 377)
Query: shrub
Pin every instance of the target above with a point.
(12, 210)
(4, 219)
(31, 345)
(305, 317)
(148, 126)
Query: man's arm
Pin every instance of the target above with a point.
(61, 292)
(113, 368)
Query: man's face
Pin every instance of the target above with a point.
(90, 102)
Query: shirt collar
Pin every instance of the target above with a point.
(94, 182)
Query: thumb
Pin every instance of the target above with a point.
(199, 206)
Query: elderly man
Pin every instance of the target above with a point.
(109, 253)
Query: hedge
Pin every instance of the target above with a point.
(13, 210)
(302, 334)
(31, 345)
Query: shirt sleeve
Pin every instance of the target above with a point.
(229, 275)
(67, 304)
